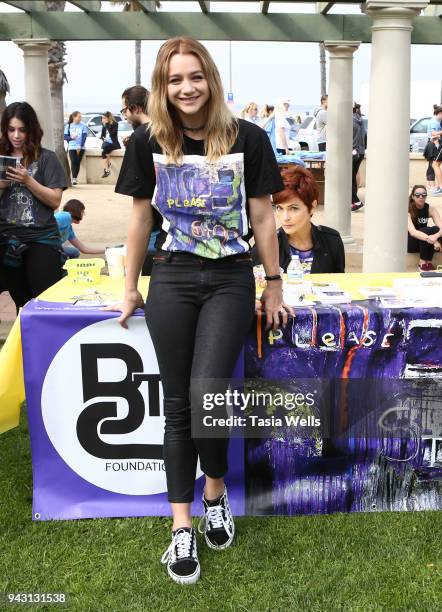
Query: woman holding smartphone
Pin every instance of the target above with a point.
(30, 247)
(208, 174)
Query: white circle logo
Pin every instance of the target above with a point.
(102, 407)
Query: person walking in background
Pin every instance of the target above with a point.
(75, 134)
(282, 126)
(321, 123)
(421, 238)
(320, 249)
(109, 134)
(358, 155)
(435, 135)
(73, 212)
(250, 112)
(202, 275)
(30, 249)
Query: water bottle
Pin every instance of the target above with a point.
(295, 272)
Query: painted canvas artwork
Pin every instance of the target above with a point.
(381, 412)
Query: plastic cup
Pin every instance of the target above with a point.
(115, 261)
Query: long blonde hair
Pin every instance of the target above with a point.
(221, 125)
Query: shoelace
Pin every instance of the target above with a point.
(214, 519)
(180, 547)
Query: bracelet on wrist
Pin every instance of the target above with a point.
(273, 277)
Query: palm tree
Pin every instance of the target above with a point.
(129, 6)
(57, 77)
(4, 89)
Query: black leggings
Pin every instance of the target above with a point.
(107, 148)
(425, 249)
(356, 162)
(75, 158)
(198, 312)
(41, 268)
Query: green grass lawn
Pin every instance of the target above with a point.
(364, 562)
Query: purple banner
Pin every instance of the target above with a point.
(94, 401)
(398, 469)
(96, 422)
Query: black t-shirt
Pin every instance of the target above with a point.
(422, 216)
(22, 214)
(203, 205)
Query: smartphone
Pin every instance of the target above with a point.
(5, 163)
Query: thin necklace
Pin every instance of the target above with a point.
(192, 129)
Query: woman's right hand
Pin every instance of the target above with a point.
(4, 184)
(132, 300)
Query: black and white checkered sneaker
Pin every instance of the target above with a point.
(181, 557)
(217, 523)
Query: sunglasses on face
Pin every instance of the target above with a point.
(420, 195)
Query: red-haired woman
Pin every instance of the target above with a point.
(319, 248)
(30, 245)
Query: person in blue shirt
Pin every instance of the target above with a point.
(73, 212)
(75, 134)
(435, 135)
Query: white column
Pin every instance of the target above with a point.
(339, 137)
(386, 199)
(37, 89)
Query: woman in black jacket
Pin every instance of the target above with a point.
(319, 248)
(109, 134)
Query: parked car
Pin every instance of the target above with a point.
(93, 121)
(92, 141)
(307, 136)
(124, 129)
(419, 134)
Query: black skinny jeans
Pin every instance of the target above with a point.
(75, 158)
(425, 249)
(198, 312)
(41, 268)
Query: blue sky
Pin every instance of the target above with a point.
(99, 71)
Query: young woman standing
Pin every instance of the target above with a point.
(30, 245)
(75, 134)
(208, 174)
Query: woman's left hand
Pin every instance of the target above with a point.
(274, 307)
(18, 174)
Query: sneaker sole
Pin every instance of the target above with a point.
(185, 579)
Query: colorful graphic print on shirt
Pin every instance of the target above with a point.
(203, 204)
(305, 258)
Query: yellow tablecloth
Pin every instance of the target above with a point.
(12, 391)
